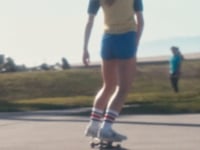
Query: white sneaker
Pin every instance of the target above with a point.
(91, 131)
(110, 135)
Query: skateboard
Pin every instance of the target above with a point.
(105, 144)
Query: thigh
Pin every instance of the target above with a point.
(109, 73)
(126, 72)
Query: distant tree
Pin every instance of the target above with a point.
(9, 65)
(44, 66)
(21, 67)
(2, 59)
(65, 64)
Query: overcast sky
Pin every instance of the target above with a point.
(37, 31)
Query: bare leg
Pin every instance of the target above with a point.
(126, 72)
(110, 78)
(110, 81)
(117, 80)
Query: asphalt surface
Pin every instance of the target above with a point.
(59, 130)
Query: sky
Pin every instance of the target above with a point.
(36, 31)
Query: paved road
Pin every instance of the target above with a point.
(57, 130)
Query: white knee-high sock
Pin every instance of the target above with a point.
(96, 116)
(109, 118)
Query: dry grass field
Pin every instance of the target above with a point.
(76, 87)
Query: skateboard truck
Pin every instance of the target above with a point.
(103, 144)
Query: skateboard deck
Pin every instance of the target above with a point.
(105, 144)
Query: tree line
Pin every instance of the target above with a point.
(7, 64)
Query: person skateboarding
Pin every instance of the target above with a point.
(123, 20)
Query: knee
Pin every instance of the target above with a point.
(123, 91)
(109, 88)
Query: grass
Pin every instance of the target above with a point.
(75, 88)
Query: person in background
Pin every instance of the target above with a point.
(175, 67)
(65, 64)
(124, 23)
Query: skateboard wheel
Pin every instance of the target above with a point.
(92, 145)
(118, 146)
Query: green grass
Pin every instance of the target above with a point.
(151, 91)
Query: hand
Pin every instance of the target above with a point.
(86, 58)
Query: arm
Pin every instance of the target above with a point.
(93, 8)
(140, 25)
(88, 29)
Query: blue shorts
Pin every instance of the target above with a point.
(118, 46)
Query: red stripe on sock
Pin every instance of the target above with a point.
(110, 118)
